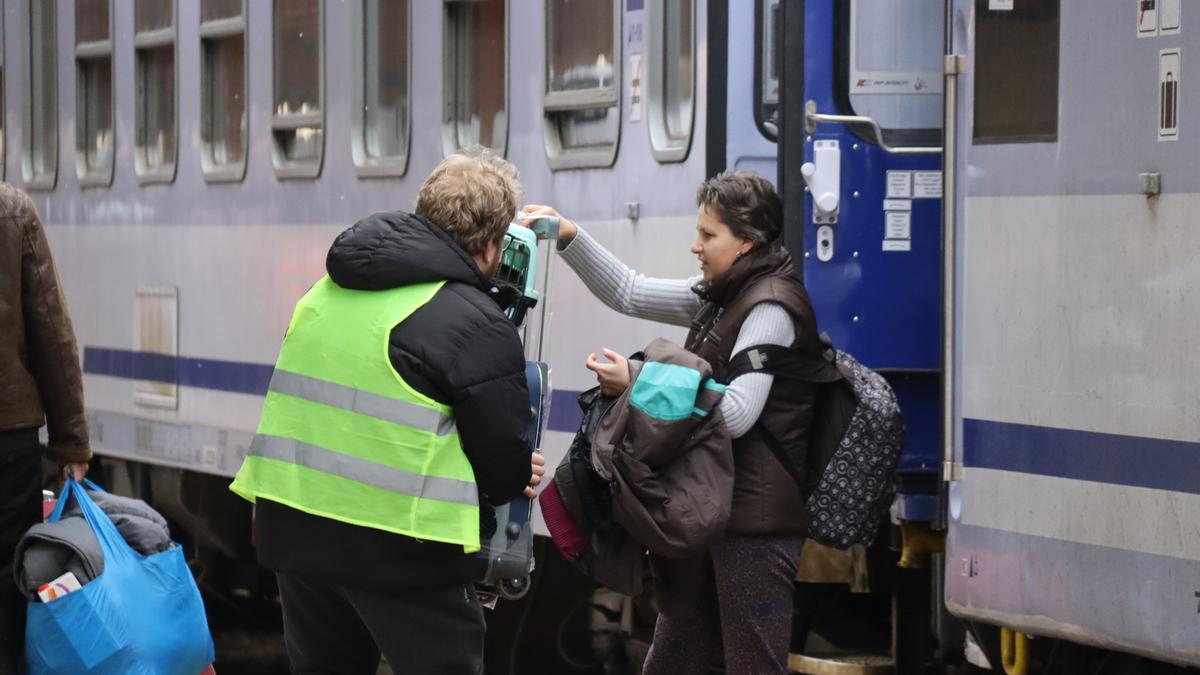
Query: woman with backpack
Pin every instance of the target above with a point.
(747, 294)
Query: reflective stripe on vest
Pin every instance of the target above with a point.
(343, 436)
(363, 402)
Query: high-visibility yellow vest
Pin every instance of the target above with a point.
(343, 436)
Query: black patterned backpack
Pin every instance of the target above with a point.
(848, 478)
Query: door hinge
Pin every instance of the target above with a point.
(953, 64)
(952, 471)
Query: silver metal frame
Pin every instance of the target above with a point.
(662, 145)
(557, 157)
(952, 65)
(287, 168)
(366, 166)
(48, 180)
(87, 176)
(3, 107)
(451, 142)
(209, 30)
(148, 40)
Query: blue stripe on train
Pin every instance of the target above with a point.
(1083, 455)
(247, 378)
(235, 376)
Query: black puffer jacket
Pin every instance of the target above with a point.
(458, 349)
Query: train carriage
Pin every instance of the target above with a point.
(989, 200)
(1075, 390)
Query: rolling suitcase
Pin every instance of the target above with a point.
(505, 560)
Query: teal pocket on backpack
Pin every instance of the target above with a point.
(665, 391)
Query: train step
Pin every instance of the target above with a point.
(841, 664)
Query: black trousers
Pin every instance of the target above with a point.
(335, 629)
(20, 509)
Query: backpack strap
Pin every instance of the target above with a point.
(780, 454)
(784, 362)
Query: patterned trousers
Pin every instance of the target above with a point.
(743, 613)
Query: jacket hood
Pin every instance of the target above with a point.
(394, 249)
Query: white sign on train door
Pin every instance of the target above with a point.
(1169, 63)
(1147, 18)
(1159, 17)
(1169, 20)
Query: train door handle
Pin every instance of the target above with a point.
(823, 176)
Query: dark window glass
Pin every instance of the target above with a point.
(154, 71)
(677, 68)
(297, 65)
(224, 82)
(766, 72)
(475, 77)
(580, 62)
(41, 145)
(581, 45)
(93, 90)
(93, 119)
(211, 10)
(153, 14)
(385, 100)
(297, 56)
(1016, 72)
(156, 107)
(91, 21)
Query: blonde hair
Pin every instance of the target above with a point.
(472, 195)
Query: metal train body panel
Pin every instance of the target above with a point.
(1078, 385)
(241, 253)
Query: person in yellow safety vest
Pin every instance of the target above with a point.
(396, 416)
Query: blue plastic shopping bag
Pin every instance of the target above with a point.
(142, 614)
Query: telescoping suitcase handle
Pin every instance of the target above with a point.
(546, 228)
(505, 559)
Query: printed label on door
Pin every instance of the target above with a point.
(897, 225)
(899, 184)
(927, 184)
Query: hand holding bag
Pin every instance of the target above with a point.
(142, 614)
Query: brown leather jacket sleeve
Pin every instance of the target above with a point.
(50, 339)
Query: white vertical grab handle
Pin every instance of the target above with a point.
(823, 176)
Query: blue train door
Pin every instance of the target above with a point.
(860, 128)
(861, 153)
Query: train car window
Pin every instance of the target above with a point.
(766, 68)
(670, 81)
(155, 120)
(1016, 73)
(583, 73)
(894, 73)
(39, 156)
(381, 124)
(223, 90)
(475, 75)
(297, 123)
(94, 133)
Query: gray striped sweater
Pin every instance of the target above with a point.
(672, 301)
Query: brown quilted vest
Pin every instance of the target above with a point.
(766, 500)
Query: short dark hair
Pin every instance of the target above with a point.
(746, 202)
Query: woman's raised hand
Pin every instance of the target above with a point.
(613, 377)
(566, 228)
